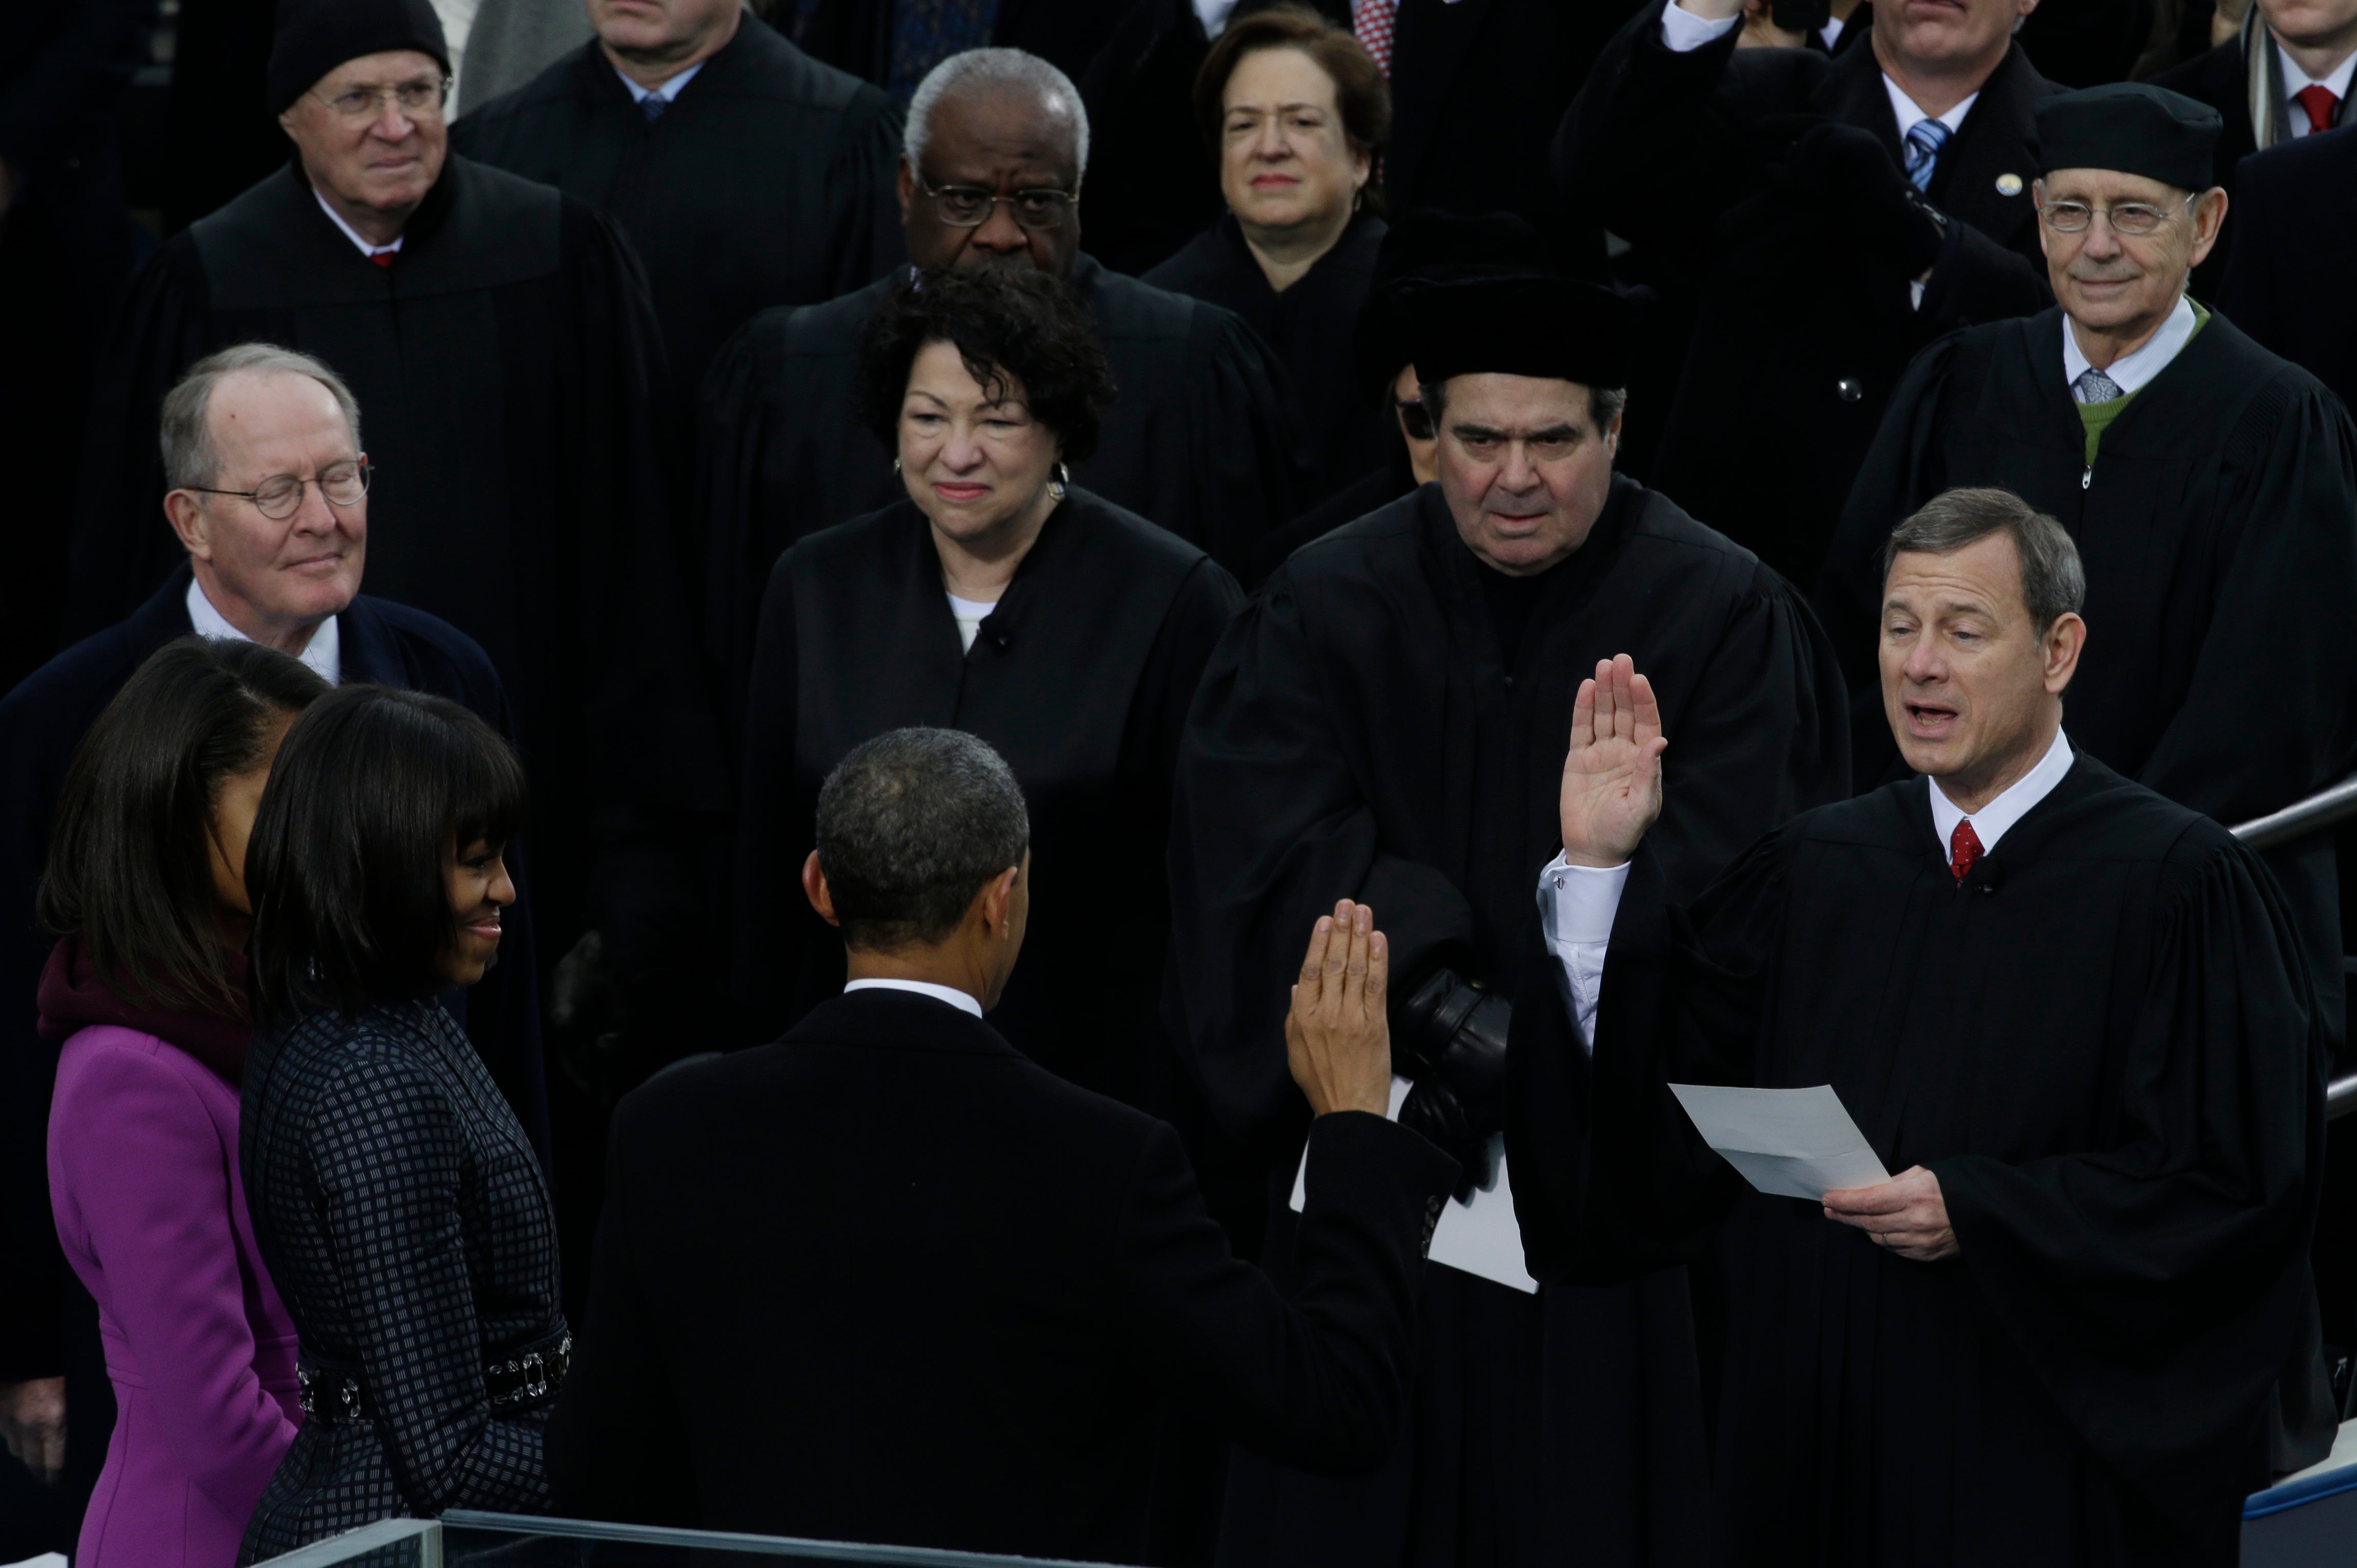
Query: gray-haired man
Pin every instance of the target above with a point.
(996, 144)
(269, 500)
(950, 1299)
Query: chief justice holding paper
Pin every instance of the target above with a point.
(2079, 1325)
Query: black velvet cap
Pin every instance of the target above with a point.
(315, 37)
(2130, 127)
(1555, 328)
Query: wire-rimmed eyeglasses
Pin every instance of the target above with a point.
(280, 496)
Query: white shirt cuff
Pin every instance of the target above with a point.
(1685, 32)
(1577, 904)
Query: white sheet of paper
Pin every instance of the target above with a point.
(1481, 1236)
(1789, 1142)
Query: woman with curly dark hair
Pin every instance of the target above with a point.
(1000, 599)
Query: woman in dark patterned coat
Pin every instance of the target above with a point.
(396, 1200)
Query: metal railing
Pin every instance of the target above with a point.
(2326, 808)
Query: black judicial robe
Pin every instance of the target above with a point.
(2218, 526)
(507, 368)
(1360, 734)
(1081, 680)
(1801, 329)
(2103, 1045)
(42, 721)
(768, 181)
(1313, 326)
(1198, 441)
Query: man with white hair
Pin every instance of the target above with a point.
(747, 174)
(270, 507)
(990, 173)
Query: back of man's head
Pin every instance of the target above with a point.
(912, 826)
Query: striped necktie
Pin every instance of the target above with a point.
(1372, 21)
(1925, 139)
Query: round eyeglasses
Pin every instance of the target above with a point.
(969, 205)
(2126, 218)
(280, 496)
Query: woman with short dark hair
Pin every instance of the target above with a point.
(1296, 116)
(145, 886)
(400, 1206)
(1000, 599)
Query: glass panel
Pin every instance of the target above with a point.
(516, 1540)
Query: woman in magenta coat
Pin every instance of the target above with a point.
(145, 880)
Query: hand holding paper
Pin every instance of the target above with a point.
(1906, 1215)
(1788, 1143)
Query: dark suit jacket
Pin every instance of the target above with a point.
(1799, 329)
(2296, 205)
(885, 1280)
(41, 723)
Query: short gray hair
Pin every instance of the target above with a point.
(996, 69)
(1604, 403)
(2053, 583)
(191, 458)
(911, 825)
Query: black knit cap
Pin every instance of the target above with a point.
(1555, 328)
(2130, 127)
(1434, 246)
(315, 37)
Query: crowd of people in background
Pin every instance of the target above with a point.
(588, 575)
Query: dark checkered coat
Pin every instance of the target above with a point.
(407, 1225)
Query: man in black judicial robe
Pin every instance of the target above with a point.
(48, 1324)
(2078, 1326)
(1199, 440)
(1814, 222)
(2212, 491)
(746, 174)
(1380, 725)
(499, 335)
(2296, 206)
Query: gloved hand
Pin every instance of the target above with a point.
(1450, 1038)
(1846, 173)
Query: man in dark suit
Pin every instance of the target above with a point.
(1814, 219)
(2289, 287)
(2283, 78)
(1477, 89)
(244, 428)
(886, 1280)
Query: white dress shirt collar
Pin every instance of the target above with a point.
(353, 234)
(1910, 115)
(949, 995)
(2294, 78)
(2132, 372)
(668, 92)
(1990, 822)
(324, 654)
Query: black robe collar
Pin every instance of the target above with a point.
(2203, 389)
(1455, 572)
(1900, 819)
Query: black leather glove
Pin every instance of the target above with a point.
(1450, 1037)
(1846, 173)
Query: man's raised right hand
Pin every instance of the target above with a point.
(1338, 1037)
(1612, 774)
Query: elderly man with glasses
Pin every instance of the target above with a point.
(2211, 486)
(1198, 439)
(499, 334)
(270, 507)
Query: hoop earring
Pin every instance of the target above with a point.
(1060, 484)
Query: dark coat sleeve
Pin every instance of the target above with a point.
(1267, 827)
(616, 1447)
(771, 920)
(386, 1150)
(1319, 1381)
(1611, 1178)
(2163, 1283)
(123, 546)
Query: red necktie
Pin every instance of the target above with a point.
(1372, 21)
(1964, 849)
(2319, 102)
(383, 258)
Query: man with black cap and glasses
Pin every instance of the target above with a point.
(1386, 722)
(500, 336)
(2211, 486)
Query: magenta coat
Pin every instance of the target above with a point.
(144, 1181)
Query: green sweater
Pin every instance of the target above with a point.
(2097, 417)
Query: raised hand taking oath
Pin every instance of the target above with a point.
(1338, 1039)
(1613, 773)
